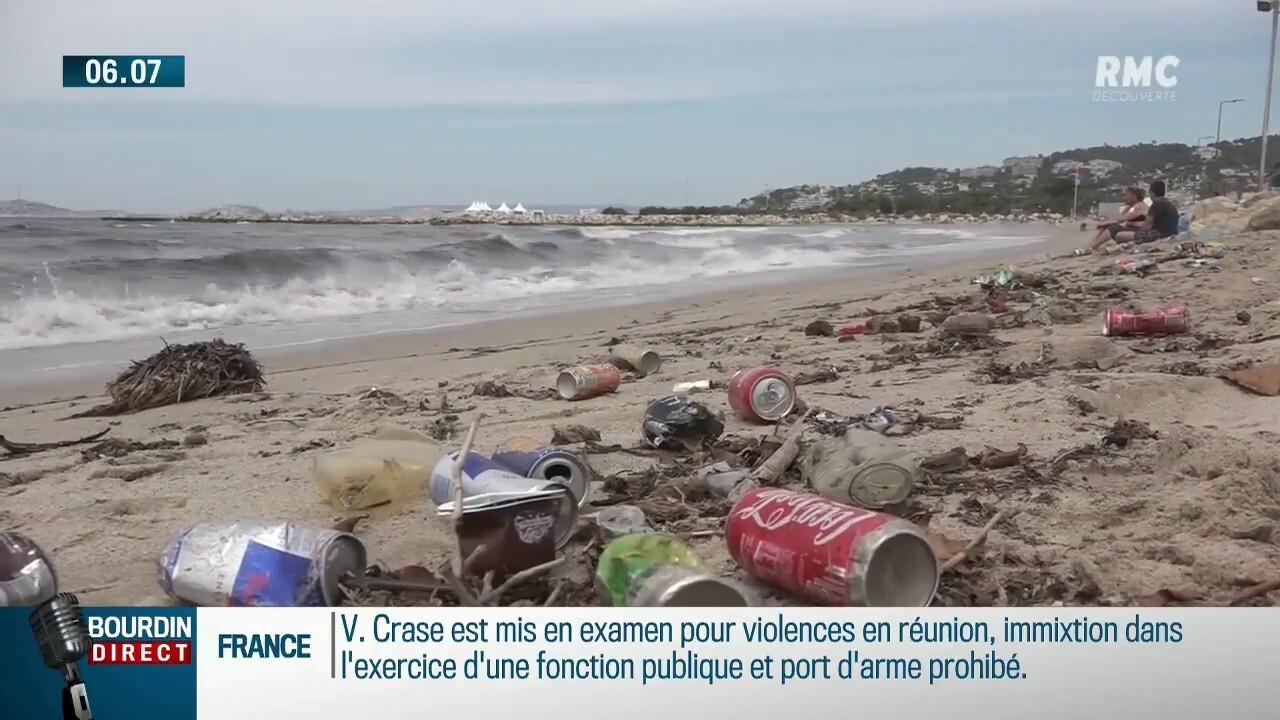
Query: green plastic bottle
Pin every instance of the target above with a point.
(654, 570)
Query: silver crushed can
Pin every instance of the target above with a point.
(637, 359)
(260, 564)
(674, 585)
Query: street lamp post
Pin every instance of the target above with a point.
(1218, 138)
(1201, 164)
(1075, 194)
(1273, 7)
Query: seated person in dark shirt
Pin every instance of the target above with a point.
(1131, 217)
(1161, 222)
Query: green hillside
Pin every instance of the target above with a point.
(1033, 184)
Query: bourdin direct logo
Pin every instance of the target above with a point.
(1136, 77)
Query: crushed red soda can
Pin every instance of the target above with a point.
(853, 330)
(260, 564)
(762, 394)
(588, 381)
(831, 553)
(1166, 320)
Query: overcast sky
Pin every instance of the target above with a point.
(343, 104)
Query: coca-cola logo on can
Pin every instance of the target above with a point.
(532, 527)
(776, 509)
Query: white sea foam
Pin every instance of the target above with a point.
(944, 232)
(58, 312)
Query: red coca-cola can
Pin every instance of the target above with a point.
(1166, 320)
(588, 381)
(763, 394)
(830, 553)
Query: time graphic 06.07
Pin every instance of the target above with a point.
(92, 71)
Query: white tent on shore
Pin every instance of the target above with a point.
(504, 209)
(519, 209)
(478, 206)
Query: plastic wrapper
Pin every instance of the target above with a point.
(392, 467)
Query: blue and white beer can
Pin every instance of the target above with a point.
(260, 564)
(526, 456)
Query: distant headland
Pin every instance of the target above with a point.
(1018, 189)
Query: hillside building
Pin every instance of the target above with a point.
(1010, 162)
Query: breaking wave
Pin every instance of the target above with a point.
(81, 281)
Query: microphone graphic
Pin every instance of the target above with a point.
(63, 638)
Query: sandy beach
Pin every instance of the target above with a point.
(1187, 509)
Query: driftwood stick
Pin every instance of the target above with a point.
(773, 468)
(390, 585)
(466, 564)
(524, 575)
(555, 594)
(465, 596)
(17, 448)
(1066, 456)
(1256, 591)
(459, 561)
(977, 541)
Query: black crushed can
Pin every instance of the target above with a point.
(676, 422)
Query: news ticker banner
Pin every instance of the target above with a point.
(481, 664)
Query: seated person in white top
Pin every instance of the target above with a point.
(1131, 217)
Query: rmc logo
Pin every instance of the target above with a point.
(1135, 72)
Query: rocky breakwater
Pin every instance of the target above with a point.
(247, 213)
(726, 220)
